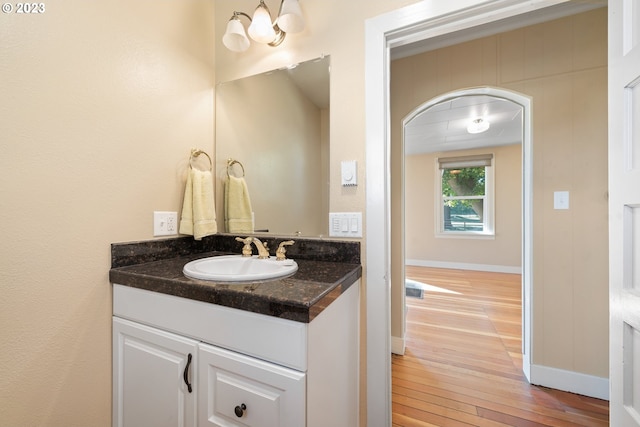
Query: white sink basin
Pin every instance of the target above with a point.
(236, 268)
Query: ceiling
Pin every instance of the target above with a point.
(442, 127)
(419, 44)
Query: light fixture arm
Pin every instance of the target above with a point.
(237, 14)
(280, 35)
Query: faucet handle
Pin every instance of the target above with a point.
(246, 249)
(280, 252)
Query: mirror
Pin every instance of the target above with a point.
(276, 127)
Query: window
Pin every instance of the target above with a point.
(465, 196)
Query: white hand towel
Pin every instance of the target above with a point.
(237, 206)
(198, 209)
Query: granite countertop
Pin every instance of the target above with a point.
(300, 297)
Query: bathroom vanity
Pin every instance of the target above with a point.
(189, 352)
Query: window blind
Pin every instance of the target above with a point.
(465, 161)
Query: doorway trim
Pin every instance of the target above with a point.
(526, 143)
(428, 19)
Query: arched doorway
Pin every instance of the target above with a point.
(510, 115)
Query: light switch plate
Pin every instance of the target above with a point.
(349, 173)
(345, 224)
(561, 200)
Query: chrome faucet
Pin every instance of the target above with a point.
(263, 251)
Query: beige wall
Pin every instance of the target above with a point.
(101, 102)
(562, 66)
(421, 244)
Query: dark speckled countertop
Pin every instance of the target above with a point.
(325, 269)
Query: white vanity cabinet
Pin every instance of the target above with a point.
(159, 377)
(149, 368)
(237, 390)
(244, 369)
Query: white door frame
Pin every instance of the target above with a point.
(428, 19)
(624, 214)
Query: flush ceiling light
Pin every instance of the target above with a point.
(261, 29)
(478, 125)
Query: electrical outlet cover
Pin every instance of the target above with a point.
(165, 223)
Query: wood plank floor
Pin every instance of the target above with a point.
(463, 361)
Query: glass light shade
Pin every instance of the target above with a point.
(290, 19)
(478, 125)
(235, 38)
(261, 28)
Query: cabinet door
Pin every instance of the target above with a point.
(153, 372)
(237, 390)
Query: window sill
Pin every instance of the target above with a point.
(465, 235)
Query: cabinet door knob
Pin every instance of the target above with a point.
(186, 373)
(240, 410)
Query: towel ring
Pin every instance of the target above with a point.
(230, 163)
(195, 153)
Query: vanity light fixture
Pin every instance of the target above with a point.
(262, 29)
(478, 125)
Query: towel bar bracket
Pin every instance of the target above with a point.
(195, 152)
(230, 163)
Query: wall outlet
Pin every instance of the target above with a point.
(165, 223)
(345, 224)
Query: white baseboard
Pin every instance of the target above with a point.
(465, 266)
(397, 345)
(574, 382)
(545, 376)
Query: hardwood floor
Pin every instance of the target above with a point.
(463, 362)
